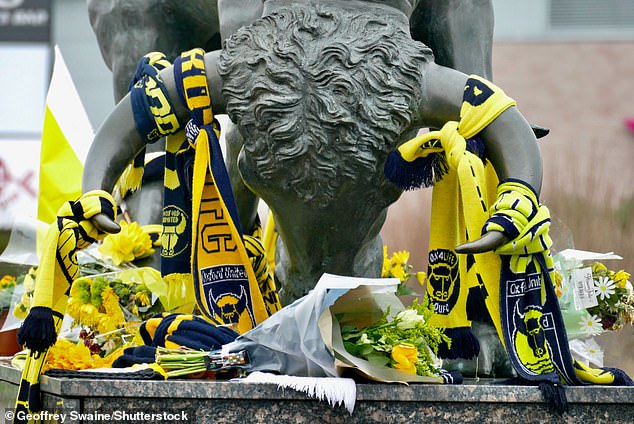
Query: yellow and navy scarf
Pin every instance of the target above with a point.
(462, 189)
(58, 268)
(231, 278)
(515, 279)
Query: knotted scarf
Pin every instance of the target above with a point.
(72, 231)
(231, 278)
(514, 280)
(460, 199)
(153, 114)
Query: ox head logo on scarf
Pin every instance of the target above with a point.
(530, 340)
(173, 241)
(444, 279)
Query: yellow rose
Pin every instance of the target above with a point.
(405, 355)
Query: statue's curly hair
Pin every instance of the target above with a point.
(322, 95)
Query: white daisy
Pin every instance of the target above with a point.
(603, 287)
(591, 325)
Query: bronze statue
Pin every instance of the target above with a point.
(319, 92)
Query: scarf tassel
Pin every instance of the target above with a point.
(37, 332)
(464, 344)
(555, 395)
(620, 377)
(421, 172)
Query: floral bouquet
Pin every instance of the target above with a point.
(593, 300)
(315, 335)
(109, 306)
(615, 298)
(406, 342)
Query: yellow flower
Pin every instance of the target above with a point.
(598, 267)
(621, 278)
(385, 272)
(421, 277)
(398, 271)
(7, 281)
(400, 257)
(405, 355)
(127, 245)
(113, 317)
(143, 298)
(89, 315)
(29, 280)
(76, 356)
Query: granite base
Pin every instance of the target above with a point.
(206, 401)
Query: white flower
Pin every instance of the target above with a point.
(603, 287)
(591, 325)
(407, 319)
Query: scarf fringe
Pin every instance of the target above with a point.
(620, 377)
(422, 172)
(37, 332)
(555, 395)
(464, 344)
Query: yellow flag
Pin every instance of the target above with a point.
(66, 138)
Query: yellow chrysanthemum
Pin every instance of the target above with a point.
(398, 271)
(405, 355)
(621, 278)
(127, 245)
(143, 298)
(599, 267)
(69, 356)
(89, 315)
(400, 257)
(113, 317)
(77, 356)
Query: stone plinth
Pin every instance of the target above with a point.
(206, 401)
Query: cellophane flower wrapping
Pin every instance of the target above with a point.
(305, 338)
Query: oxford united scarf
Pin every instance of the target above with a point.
(226, 286)
(72, 231)
(532, 325)
(460, 199)
(236, 281)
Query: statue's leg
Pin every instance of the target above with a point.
(234, 14)
(246, 201)
(460, 32)
(128, 29)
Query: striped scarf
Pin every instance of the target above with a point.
(72, 231)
